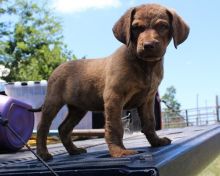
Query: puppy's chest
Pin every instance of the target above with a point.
(136, 100)
(155, 79)
(143, 88)
(150, 80)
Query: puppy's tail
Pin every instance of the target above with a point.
(35, 110)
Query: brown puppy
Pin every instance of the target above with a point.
(129, 78)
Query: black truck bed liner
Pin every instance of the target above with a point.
(191, 150)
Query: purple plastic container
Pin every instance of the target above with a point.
(19, 118)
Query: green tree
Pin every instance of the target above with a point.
(35, 46)
(171, 113)
(5, 9)
(170, 99)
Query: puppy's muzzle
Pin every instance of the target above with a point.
(150, 50)
(151, 46)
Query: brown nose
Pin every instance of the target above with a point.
(151, 45)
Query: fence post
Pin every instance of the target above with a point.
(187, 119)
(217, 109)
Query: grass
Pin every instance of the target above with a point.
(213, 169)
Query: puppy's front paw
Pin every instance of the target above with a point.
(165, 141)
(122, 152)
(161, 142)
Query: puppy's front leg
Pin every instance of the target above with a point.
(147, 117)
(113, 126)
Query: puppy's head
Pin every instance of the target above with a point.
(148, 29)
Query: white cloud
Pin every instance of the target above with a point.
(73, 6)
(188, 62)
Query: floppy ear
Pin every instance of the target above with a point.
(122, 28)
(180, 30)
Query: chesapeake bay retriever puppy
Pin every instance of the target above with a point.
(129, 78)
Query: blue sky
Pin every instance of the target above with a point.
(193, 69)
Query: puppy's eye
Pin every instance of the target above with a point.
(162, 27)
(138, 28)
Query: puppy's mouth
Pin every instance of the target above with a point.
(151, 59)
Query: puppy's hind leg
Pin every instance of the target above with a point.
(65, 129)
(49, 111)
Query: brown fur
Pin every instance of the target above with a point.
(129, 78)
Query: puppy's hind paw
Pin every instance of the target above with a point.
(45, 156)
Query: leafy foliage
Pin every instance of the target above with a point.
(33, 46)
(173, 109)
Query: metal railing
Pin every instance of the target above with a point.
(191, 117)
